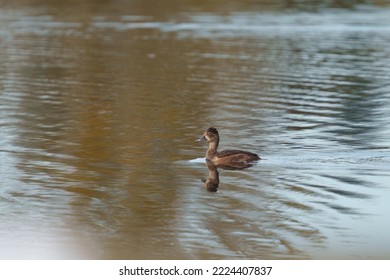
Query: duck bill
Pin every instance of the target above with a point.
(201, 139)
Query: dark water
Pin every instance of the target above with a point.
(100, 104)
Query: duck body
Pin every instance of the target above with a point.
(232, 158)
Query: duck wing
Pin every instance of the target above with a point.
(229, 153)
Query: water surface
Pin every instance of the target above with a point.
(100, 105)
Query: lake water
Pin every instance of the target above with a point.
(100, 105)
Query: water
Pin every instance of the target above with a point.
(100, 105)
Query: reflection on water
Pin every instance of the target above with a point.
(100, 104)
(211, 184)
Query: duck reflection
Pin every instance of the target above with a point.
(211, 183)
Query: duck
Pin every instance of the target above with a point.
(225, 158)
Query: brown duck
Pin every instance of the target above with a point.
(232, 158)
